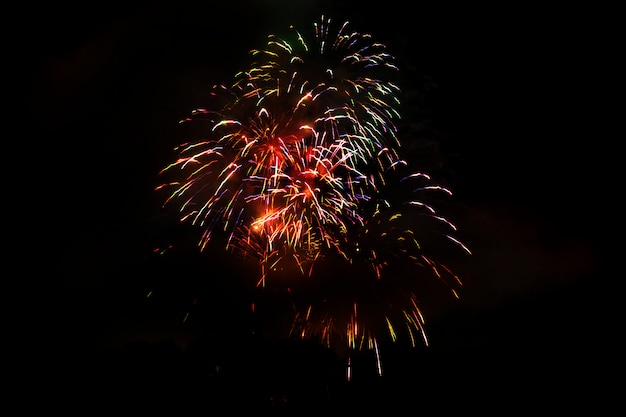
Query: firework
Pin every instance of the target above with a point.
(293, 169)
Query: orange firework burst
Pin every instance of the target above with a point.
(293, 168)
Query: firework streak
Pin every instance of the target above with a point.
(294, 169)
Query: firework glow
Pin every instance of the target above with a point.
(298, 166)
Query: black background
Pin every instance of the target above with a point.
(518, 124)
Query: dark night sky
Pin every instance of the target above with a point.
(520, 136)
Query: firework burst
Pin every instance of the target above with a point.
(293, 169)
